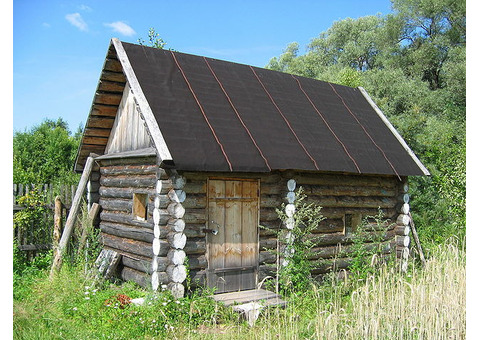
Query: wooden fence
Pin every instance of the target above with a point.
(38, 234)
(66, 192)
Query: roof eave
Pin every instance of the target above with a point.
(87, 146)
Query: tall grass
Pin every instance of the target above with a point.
(425, 303)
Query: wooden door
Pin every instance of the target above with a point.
(233, 250)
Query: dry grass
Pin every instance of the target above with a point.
(427, 303)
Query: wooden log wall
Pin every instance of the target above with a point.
(346, 200)
(154, 250)
(125, 233)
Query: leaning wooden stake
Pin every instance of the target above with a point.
(62, 245)
(417, 240)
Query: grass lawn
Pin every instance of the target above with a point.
(425, 303)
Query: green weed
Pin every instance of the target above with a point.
(424, 303)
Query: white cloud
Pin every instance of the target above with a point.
(76, 20)
(121, 27)
(85, 8)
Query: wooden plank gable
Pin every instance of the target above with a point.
(128, 131)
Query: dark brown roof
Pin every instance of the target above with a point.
(214, 115)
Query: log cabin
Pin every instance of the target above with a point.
(193, 155)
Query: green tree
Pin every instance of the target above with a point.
(356, 43)
(45, 154)
(431, 31)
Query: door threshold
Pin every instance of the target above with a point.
(262, 296)
(250, 303)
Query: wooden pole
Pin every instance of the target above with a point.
(417, 240)
(57, 224)
(72, 215)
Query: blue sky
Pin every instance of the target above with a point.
(59, 46)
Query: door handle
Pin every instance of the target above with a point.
(213, 231)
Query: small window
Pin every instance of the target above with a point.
(347, 226)
(140, 206)
(351, 223)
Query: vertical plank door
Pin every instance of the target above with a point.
(233, 250)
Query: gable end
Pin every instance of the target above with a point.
(115, 73)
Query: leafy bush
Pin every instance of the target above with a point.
(34, 210)
(295, 271)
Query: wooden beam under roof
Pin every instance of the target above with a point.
(113, 76)
(107, 98)
(112, 64)
(104, 110)
(110, 86)
(105, 106)
(96, 132)
(103, 122)
(95, 140)
(85, 152)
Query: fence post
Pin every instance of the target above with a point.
(14, 193)
(57, 224)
